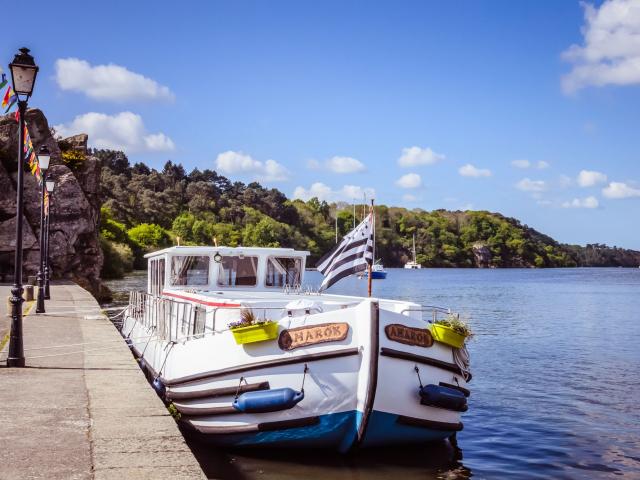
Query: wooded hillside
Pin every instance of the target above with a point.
(145, 209)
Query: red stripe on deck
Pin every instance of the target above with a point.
(202, 302)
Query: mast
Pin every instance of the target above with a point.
(354, 213)
(336, 215)
(373, 227)
(414, 247)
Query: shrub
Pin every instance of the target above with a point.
(118, 259)
(73, 159)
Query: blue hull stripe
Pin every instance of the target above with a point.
(337, 431)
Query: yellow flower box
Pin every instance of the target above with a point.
(447, 335)
(255, 333)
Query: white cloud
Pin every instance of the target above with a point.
(345, 165)
(620, 190)
(565, 181)
(123, 131)
(347, 193)
(469, 170)
(541, 165)
(589, 178)
(313, 164)
(414, 156)
(527, 164)
(338, 164)
(611, 51)
(588, 202)
(410, 180)
(528, 185)
(521, 163)
(107, 82)
(231, 162)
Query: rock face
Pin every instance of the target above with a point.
(75, 252)
(482, 254)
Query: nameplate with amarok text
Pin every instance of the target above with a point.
(420, 337)
(312, 334)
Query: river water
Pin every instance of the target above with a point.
(555, 389)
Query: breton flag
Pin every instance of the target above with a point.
(352, 255)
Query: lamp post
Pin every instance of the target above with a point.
(43, 163)
(47, 272)
(23, 75)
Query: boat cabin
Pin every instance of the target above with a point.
(224, 268)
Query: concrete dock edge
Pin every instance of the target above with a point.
(84, 409)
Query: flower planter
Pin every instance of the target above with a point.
(255, 333)
(447, 335)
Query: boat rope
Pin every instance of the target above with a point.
(73, 353)
(462, 360)
(417, 370)
(170, 345)
(239, 384)
(145, 347)
(119, 340)
(304, 375)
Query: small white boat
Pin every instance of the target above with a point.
(413, 265)
(329, 370)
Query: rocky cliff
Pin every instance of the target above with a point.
(74, 246)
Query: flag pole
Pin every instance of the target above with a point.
(373, 259)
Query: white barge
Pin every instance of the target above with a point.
(321, 371)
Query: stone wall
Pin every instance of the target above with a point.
(75, 208)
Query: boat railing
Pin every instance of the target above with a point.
(257, 310)
(171, 320)
(174, 321)
(435, 312)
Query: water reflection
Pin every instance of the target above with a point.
(436, 461)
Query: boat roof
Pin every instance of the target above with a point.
(209, 250)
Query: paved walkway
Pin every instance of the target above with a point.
(84, 415)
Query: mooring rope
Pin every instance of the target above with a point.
(75, 352)
(462, 360)
(118, 340)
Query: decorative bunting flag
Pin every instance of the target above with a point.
(29, 152)
(8, 99)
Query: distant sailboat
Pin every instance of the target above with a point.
(413, 265)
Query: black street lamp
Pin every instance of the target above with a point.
(23, 75)
(43, 163)
(47, 272)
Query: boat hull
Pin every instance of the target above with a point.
(359, 391)
(378, 275)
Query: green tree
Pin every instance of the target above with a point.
(149, 235)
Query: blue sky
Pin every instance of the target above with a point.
(427, 104)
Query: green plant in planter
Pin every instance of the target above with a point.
(247, 319)
(457, 325)
(249, 329)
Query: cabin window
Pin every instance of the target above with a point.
(156, 276)
(283, 271)
(189, 270)
(235, 270)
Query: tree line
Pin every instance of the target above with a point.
(145, 209)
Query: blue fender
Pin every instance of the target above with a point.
(443, 397)
(267, 400)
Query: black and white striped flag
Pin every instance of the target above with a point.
(350, 256)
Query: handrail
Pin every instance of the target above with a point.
(176, 321)
(430, 308)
